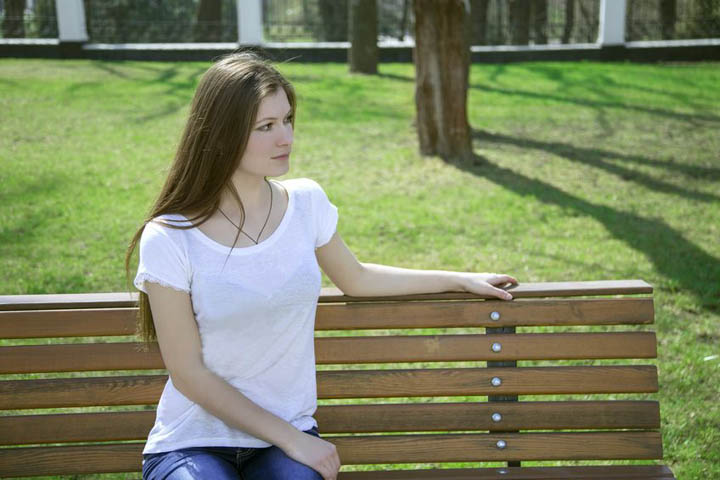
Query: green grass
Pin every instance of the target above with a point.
(591, 171)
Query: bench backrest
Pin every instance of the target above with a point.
(416, 379)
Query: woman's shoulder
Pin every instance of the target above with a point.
(302, 184)
(165, 220)
(162, 226)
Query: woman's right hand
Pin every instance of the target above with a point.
(316, 453)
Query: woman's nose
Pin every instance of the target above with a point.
(286, 138)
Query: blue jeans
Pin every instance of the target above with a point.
(220, 463)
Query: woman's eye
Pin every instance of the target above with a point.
(267, 127)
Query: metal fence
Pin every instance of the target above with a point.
(494, 22)
(327, 20)
(672, 19)
(535, 22)
(36, 20)
(142, 21)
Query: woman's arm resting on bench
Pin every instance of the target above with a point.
(371, 280)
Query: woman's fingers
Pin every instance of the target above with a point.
(334, 464)
(331, 467)
(501, 294)
(503, 279)
(490, 284)
(316, 453)
(334, 467)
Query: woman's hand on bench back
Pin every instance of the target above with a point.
(487, 283)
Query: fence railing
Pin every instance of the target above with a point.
(672, 19)
(494, 22)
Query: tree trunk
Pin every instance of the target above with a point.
(209, 15)
(442, 63)
(363, 54)
(13, 25)
(479, 20)
(668, 16)
(540, 8)
(334, 15)
(569, 20)
(520, 22)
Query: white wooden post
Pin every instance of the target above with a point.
(71, 20)
(250, 22)
(612, 22)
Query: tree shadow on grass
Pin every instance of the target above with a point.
(394, 76)
(687, 266)
(9, 83)
(602, 82)
(695, 119)
(599, 158)
(178, 82)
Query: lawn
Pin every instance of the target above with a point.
(584, 171)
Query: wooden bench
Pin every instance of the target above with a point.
(386, 413)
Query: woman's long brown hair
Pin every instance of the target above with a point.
(221, 118)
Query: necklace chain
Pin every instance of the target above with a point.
(266, 219)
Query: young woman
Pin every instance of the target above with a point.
(229, 280)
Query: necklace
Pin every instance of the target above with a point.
(266, 220)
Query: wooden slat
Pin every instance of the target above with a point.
(127, 458)
(355, 316)
(477, 381)
(619, 414)
(600, 287)
(79, 357)
(346, 350)
(76, 427)
(449, 348)
(590, 472)
(525, 290)
(448, 314)
(417, 417)
(59, 301)
(81, 392)
(483, 447)
(33, 461)
(145, 390)
(68, 323)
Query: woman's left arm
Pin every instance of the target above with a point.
(370, 280)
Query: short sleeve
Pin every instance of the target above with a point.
(326, 216)
(161, 260)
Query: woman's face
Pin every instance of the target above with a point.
(271, 137)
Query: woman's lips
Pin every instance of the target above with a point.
(282, 157)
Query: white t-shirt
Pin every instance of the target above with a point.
(256, 317)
